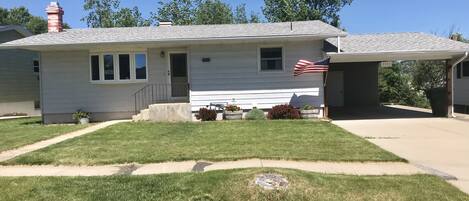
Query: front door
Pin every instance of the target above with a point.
(178, 75)
(335, 88)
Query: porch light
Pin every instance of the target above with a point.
(162, 54)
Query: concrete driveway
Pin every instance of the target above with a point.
(438, 145)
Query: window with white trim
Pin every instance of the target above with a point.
(271, 58)
(118, 67)
(36, 65)
(465, 69)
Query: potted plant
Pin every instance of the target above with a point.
(82, 117)
(233, 112)
(309, 112)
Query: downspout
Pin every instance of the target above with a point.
(338, 44)
(466, 54)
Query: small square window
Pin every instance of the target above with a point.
(465, 69)
(271, 59)
(36, 66)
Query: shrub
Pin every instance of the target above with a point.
(206, 114)
(232, 108)
(255, 114)
(308, 107)
(80, 114)
(284, 112)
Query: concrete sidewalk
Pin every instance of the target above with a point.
(7, 155)
(438, 145)
(372, 168)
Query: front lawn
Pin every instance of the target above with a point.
(214, 141)
(15, 133)
(235, 185)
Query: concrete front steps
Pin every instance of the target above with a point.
(168, 112)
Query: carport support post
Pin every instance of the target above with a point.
(449, 87)
(326, 107)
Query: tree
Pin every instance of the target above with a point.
(187, 12)
(107, 13)
(255, 18)
(395, 86)
(130, 18)
(213, 12)
(302, 10)
(180, 12)
(100, 12)
(37, 25)
(429, 75)
(240, 16)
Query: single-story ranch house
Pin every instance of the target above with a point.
(116, 72)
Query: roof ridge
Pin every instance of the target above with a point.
(199, 25)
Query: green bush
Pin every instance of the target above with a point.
(255, 114)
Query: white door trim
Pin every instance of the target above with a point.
(169, 71)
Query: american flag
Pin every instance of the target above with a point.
(305, 66)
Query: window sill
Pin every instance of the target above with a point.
(119, 82)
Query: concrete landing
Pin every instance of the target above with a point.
(169, 112)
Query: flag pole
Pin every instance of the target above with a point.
(326, 107)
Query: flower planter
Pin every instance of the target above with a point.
(309, 114)
(236, 115)
(84, 121)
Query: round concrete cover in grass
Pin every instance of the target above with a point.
(271, 181)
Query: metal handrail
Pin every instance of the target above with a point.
(159, 93)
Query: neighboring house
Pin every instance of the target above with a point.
(19, 75)
(115, 72)
(461, 87)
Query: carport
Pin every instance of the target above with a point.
(352, 81)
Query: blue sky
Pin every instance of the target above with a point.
(363, 16)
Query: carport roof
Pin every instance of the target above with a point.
(394, 46)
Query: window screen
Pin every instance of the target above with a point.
(124, 66)
(271, 59)
(465, 69)
(36, 66)
(95, 67)
(108, 67)
(140, 66)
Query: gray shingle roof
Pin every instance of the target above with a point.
(23, 31)
(396, 42)
(178, 33)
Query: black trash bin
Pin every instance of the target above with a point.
(439, 101)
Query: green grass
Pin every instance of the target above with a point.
(214, 141)
(19, 132)
(233, 185)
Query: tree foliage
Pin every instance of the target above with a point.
(21, 16)
(213, 12)
(395, 86)
(429, 75)
(302, 10)
(180, 12)
(187, 12)
(108, 13)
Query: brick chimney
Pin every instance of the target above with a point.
(54, 17)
